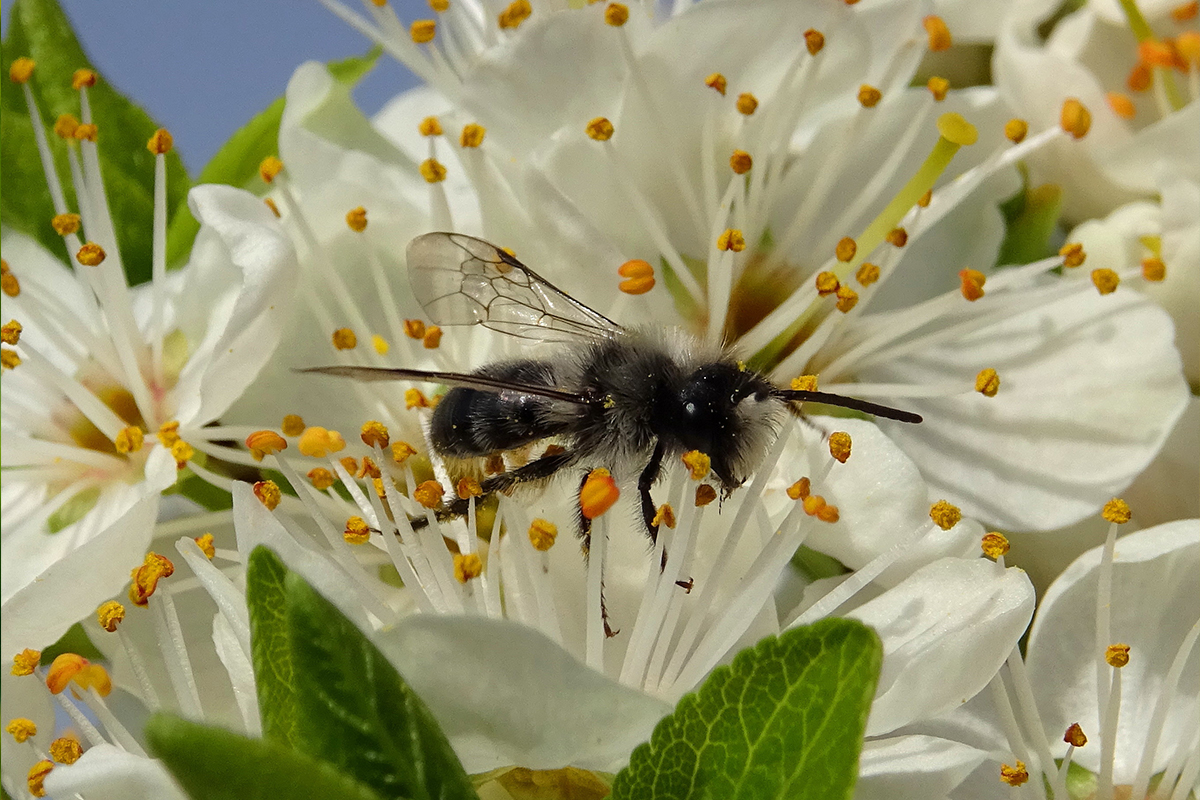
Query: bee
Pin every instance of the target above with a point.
(628, 399)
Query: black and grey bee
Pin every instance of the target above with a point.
(612, 396)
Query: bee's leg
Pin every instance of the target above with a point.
(585, 544)
(645, 481)
(505, 482)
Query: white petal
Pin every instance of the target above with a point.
(105, 772)
(1090, 388)
(917, 767)
(242, 279)
(505, 694)
(946, 631)
(1155, 601)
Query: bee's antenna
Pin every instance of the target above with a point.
(853, 403)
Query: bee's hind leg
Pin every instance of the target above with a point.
(645, 481)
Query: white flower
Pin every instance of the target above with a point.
(1135, 66)
(108, 390)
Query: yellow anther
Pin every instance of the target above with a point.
(1074, 735)
(129, 440)
(467, 567)
(747, 103)
(21, 728)
(1072, 254)
(839, 445)
(716, 81)
(292, 425)
(1153, 269)
(21, 69)
(616, 14)
(37, 777)
(827, 283)
(1121, 104)
(82, 78)
(698, 464)
(467, 488)
(1105, 280)
(897, 237)
(1075, 119)
(440, 6)
(813, 503)
(740, 162)
(350, 464)
(828, 513)
(1116, 655)
(1186, 11)
(8, 281)
(269, 167)
(938, 33)
(971, 283)
(25, 661)
(65, 224)
(344, 339)
(268, 494)
(160, 142)
(517, 12)
(1116, 510)
(91, 255)
(1156, 53)
(317, 442)
(994, 545)
(938, 87)
(422, 32)
(847, 299)
(945, 515)
(65, 125)
(638, 275)
(665, 515)
(429, 494)
(1014, 776)
(804, 383)
(598, 493)
(869, 96)
(207, 545)
(414, 329)
(432, 337)
(271, 205)
(374, 433)
(265, 443)
(731, 239)
(415, 398)
(955, 129)
(845, 249)
(379, 344)
(800, 489)
(321, 478)
(599, 129)
(705, 494)
(377, 485)
(182, 452)
(814, 40)
(66, 750)
(1015, 130)
(542, 533)
(356, 219)
(369, 469)
(924, 200)
(432, 170)
(9, 359)
(987, 382)
(87, 132)
(430, 126)
(1187, 44)
(70, 667)
(168, 433)
(472, 135)
(867, 274)
(357, 531)
(11, 332)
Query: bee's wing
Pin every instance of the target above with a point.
(461, 280)
(481, 383)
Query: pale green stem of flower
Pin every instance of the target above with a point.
(1143, 32)
(921, 182)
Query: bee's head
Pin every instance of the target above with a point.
(728, 414)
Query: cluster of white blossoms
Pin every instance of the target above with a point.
(765, 177)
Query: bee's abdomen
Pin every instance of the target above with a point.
(469, 423)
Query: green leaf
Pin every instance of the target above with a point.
(215, 764)
(39, 29)
(815, 565)
(274, 670)
(75, 640)
(237, 162)
(785, 719)
(357, 713)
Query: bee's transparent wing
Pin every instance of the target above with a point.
(461, 280)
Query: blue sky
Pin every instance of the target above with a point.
(202, 68)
